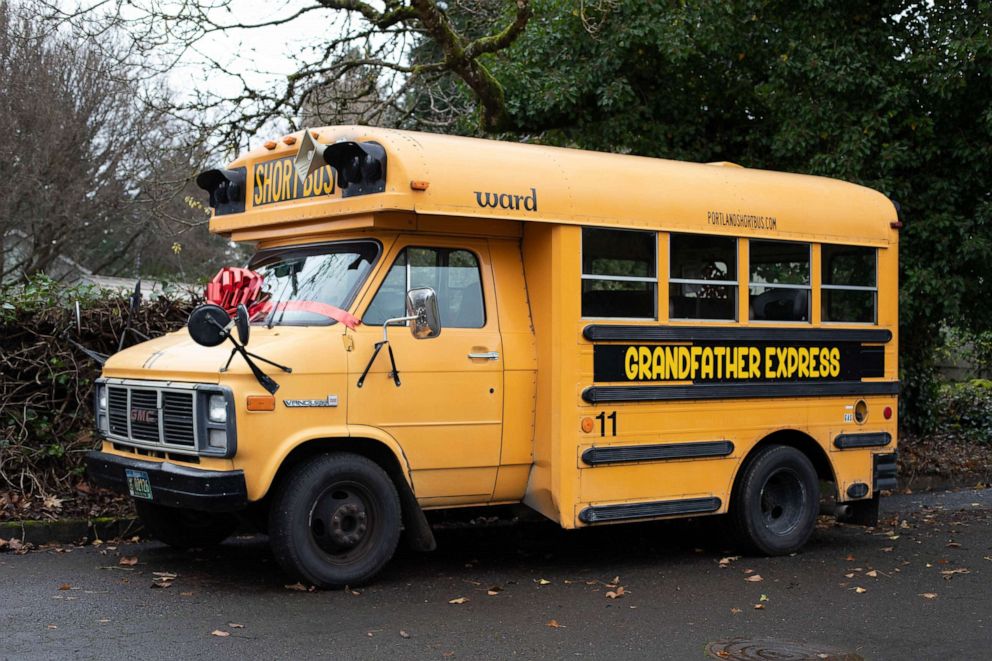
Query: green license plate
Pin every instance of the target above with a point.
(138, 484)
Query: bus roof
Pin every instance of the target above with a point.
(476, 179)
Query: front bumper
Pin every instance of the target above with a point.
(172, 485)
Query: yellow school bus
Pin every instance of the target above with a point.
(445, 322)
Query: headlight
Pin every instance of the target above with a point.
(101, 397)
(217, 408)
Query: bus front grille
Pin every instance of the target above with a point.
(152, 417)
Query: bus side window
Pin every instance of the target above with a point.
(619, 274)
(702, 277)
(850, 285)
(779, 281)
(452, 273)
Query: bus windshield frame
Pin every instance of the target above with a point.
(308, 285)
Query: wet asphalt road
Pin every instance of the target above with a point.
(927, 594)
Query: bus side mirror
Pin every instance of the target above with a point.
(421, 306)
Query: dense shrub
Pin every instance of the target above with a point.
(965, 410)
(46, 382)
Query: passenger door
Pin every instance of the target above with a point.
(447, 412)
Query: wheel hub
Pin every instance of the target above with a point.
(348, 524)
(782, 500)
(339, 520)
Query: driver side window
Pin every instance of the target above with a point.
(452, 273)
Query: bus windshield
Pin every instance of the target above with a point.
(310, 285)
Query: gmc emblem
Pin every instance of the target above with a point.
(146, 416)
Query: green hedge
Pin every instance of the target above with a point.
(965, 410)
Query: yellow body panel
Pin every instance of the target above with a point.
(469, 432)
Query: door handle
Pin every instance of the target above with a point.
(487, 355)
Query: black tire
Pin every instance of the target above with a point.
(335, 520)
(184, 528)
(775, 501)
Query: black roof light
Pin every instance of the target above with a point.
(361, 167)
(226, 189)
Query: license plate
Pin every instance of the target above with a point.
(138, 484)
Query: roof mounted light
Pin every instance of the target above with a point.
(360, 166)
(226, 189)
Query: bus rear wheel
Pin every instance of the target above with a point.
(335, 520)
(774, 503)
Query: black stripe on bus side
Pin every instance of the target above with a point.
(599, 513)
(597, 456)
(863, 440)
(601, 394)
(605, 333)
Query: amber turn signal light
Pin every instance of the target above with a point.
(261, 403)
(419, 185)
(587, 425)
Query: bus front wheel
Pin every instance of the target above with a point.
(774, 503)
(335, 520)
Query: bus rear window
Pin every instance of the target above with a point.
(619, 274)
(849, 287)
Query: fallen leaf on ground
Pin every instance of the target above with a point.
(65, 586)
(860, 590)
(235, 625)
(543, 581)
(53, 626)
(220, 634)
(404, 634)
(554, 624)
(128, 560)
(759, 607)
(754, 579)
(494, 590)
(763, 597)
(459, 600)
(19, 547)
(928, 595)
(299, 587)
(616, 594)
(873, 573)
(953, 545)
(948, 574)
(185, 594)
(615, 581)
(887, 549)
(735, 611)
(849, 575)
(103, 620)
(725, 562)
(163, 579)
(748, 571)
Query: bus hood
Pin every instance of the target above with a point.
(176, 357)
